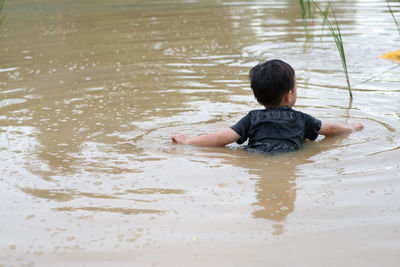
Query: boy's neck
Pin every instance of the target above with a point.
(278, 106)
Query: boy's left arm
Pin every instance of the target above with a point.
(330, 128)
(222, 138)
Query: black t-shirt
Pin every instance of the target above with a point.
(276, 130)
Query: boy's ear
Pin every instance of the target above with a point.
(288, 96)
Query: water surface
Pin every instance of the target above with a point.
(90, 94)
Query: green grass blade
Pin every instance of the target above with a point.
(325, 14)
(303, 13)
(394, 18)
(307, 13)
(337, 36)
(1, 8)
(303, 9)
(339, 41)
(378, 75)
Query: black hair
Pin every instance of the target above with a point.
(271, 80)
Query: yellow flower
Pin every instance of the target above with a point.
(395, 56)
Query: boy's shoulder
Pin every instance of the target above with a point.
(275, 110)
(278, 113)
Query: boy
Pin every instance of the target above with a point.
(277, 128)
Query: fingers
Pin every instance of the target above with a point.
(179, 139)
(174, 139)
(357, 126)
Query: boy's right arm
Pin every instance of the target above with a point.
(330, 128)
(222, 138)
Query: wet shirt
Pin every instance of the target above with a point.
(276, 130)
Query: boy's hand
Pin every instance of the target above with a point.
(356, 126)
(179, 139)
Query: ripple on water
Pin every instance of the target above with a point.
(85, 137)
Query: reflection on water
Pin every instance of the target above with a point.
(275, 179)
(90, 95)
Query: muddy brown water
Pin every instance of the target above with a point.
(90, 93)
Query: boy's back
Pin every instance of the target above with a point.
(276, 130)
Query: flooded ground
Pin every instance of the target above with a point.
(90, 93)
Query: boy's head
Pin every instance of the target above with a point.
(271, 80)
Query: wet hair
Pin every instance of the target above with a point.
(271, 80)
